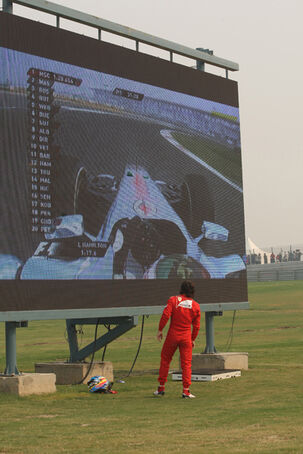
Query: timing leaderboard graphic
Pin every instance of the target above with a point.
(42, 153)
(113, 183)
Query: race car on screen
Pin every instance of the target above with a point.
(134, 228)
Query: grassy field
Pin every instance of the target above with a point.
(232, 118)
(218, 156)
(261, 411)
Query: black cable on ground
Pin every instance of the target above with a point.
(138, 350)
(105, 346)
(93, 355)
(94, 351)
(231, 334)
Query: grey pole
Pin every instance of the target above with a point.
(7, 6)
(11, 355)
(200, 64)
(210, 333)
(72, 338)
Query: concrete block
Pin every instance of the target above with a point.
(26, 384)
(220, 361)
(73, 373)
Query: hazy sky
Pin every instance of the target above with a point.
(266, 38)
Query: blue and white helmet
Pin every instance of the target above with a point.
(98, 384)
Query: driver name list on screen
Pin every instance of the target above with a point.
(43, 152)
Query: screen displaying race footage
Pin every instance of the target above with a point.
(109, 178)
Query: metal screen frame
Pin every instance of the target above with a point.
(121, 30)
(17, 316)
(139, 37)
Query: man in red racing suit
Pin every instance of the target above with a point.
(184, 313)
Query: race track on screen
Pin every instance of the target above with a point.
(104, 142)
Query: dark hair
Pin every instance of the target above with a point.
(187, 289)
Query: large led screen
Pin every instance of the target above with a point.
(114, 186)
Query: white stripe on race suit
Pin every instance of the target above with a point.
(188, 304)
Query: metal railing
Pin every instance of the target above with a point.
(202, 56)
(285, 271)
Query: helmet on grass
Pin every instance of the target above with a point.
(98, 384)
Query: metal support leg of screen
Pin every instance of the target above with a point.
(123, 324)
(210, 331)
(7, 6)
(11, 353)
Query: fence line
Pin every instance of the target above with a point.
(285, 271)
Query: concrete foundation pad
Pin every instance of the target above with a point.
(208, 375)
(26, 384)
(220, 361)
(73, 373)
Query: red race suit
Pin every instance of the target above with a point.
(185, 315)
